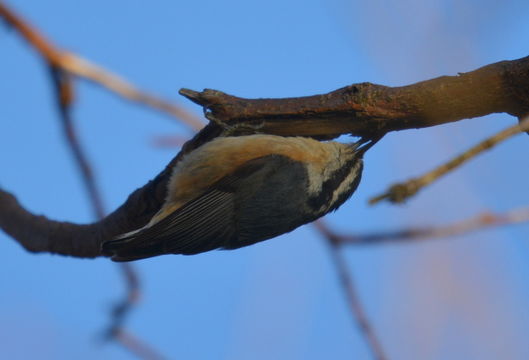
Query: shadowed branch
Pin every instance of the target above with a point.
(349, 289)
(413, 234)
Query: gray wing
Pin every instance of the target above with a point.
(207, 222)
(278, 207)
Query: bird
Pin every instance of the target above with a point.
(236, 191)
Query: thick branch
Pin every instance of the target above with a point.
(364, 109)
(39, 234)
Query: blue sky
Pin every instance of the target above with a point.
(461, 298)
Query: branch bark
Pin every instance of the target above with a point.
(365, 109)
(478, 222)
(399, 193)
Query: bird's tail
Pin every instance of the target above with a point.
(124, 247)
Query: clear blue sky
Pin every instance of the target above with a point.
(463, 298)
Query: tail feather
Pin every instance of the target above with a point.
(124, 247)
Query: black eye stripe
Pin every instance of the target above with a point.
(330, 185)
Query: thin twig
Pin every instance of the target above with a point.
(346, 280)
(132, 343)
(400, 192)
(123, 308)
(77, 66)
(476, 223)
(336, 241)
(169, 141)
(83, 68)
(64, 90)
(64, 95)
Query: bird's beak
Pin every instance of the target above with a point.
(366, 143)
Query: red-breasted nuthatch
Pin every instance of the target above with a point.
(236, 191)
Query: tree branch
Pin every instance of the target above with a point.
(39, 234)
(353, 301)
(475, 223)
(77, 66)
(366, 109)
(399, 193)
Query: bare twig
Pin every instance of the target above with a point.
(476, 223)
(169, 141)
(83, 68)
(64, 95)
(123, 308)
(132, 343)
(64, 90)
(336, 241)
(399, 193)
(346, 280)
(77, 66)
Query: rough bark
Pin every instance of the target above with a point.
(365, 109)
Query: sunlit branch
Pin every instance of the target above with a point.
(399, 193)
(77, 66)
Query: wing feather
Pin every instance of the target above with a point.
(203, 224)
